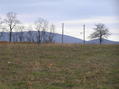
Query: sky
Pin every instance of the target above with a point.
(73, 13)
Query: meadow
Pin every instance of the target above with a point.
(58, 66)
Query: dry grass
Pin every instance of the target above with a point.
(56, 66)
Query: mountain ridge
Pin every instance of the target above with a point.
(66, 38)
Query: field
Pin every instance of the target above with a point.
(56, 66)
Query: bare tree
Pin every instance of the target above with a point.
(2, 29)
(41, 27)
(1, 32)
(100, 32)
(38, 27)
(43, 32)
(11, 21)
(30, 35)
(20, 33)
(51, 34)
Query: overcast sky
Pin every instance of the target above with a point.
(74, 13)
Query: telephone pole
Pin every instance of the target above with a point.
(62, 33)
(84, 34)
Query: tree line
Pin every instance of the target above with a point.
(41, 26)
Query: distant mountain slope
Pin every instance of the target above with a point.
(58, 38)
(104, 41)
(66, 39)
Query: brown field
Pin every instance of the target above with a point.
(57, 66)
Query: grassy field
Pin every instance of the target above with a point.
(56, 66)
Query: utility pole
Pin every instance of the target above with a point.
(62, 33)
(84, 34)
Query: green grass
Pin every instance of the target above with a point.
(56, 66)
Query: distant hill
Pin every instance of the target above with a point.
(67, 39)
(57, 38)
(104, 41)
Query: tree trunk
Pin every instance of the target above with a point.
(39, 37)
(100, 37)
(100, 40)
(10, 35)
